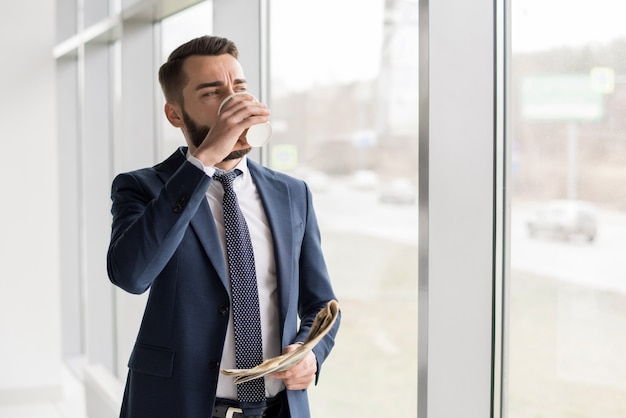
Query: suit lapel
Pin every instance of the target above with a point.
(276, 202)
(206, 231)
(202, 222)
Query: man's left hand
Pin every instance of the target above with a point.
(302, 374)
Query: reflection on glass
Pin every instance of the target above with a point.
(344, 104)
(567, 327)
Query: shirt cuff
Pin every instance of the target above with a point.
(209, 171)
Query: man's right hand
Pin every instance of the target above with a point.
(228, 132)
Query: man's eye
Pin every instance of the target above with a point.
(209, 93)
(241, 89)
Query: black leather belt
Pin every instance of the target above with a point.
(228, 410)
(225, 411)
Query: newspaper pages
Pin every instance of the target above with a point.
(324, 321)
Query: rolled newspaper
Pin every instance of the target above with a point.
(324, 321)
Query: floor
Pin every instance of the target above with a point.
(71, 406)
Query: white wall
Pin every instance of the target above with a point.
(30, 355)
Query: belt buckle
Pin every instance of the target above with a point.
(231, 411)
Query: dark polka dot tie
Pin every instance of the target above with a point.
(244, 291)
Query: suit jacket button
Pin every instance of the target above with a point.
(214, 365)
(223, 310)
(181, 203)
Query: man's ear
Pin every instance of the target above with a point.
(173, 113)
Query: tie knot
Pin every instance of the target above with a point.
(226, 177)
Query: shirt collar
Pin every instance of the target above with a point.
(241, 165)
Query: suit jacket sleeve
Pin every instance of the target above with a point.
(150, 218)
(315, 285)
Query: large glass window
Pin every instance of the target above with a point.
(568, 227)
(344, 104)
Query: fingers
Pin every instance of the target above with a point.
(301, 375)
(236, 116)
(244, 111)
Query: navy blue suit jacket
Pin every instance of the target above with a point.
(164, 239)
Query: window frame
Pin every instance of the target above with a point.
(462, 169)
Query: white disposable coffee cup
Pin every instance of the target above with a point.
(257, 135)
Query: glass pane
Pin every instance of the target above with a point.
(344, 102)
(568, 227)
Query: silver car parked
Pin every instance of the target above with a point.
(565, 219)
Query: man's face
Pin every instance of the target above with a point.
(210, 80)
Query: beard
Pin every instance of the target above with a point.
(197, 133)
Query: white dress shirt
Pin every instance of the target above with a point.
(261, 237)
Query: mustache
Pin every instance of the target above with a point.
(235, 155)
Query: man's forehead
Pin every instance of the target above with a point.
(220, 67)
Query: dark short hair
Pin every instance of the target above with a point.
(171, 75)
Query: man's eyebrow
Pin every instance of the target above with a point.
(218, 84)
(209, 85)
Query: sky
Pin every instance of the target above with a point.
(326, 40)
(543, 24)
